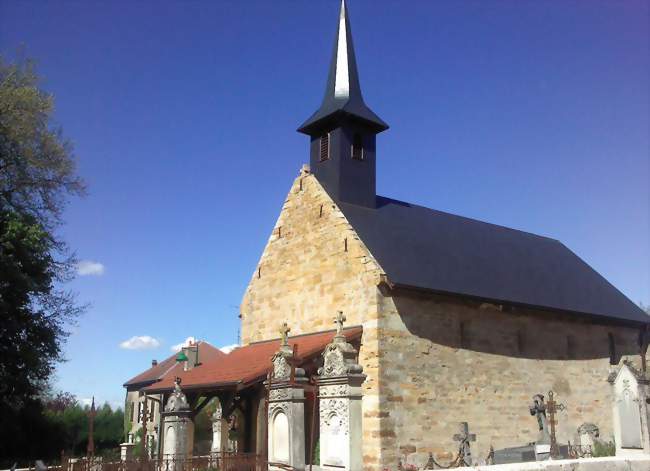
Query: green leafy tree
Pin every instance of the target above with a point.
(37, 174)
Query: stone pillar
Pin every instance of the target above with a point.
(126, 451)
(340, 394)
(630, 410)
(286, 418)
(217, 429)
(178, 427)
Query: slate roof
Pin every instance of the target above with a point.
(248, 364)
(423, 248)
(168, 368)
(342, 92)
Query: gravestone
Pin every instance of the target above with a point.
(588, 434)
(517, 454)
(340, 395)
(543, 442)
(465, 438)
(217, 429)
(286, 414)
(178, 428)
(126, 451)
(539, 450)
(630, 410)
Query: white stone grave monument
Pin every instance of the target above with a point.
(286, 417)
(630, 410)
(340, 395)
(178, 427)
(217, 429)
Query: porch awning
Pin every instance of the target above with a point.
(248, 364)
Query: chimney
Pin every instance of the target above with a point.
(192, 354)
(154, 362)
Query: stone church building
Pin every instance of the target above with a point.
(457, 320)
(462, 320)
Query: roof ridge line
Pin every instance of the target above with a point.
(468, 218)
(305, 334)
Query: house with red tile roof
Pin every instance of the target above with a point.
(137, 404)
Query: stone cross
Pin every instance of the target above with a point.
(553, 407)
(339, 320)
(538, 409)
(284, 334)
(465, 438)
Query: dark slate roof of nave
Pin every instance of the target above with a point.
(428, 249)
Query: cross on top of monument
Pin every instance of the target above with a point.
(339, 320)
(284, 334)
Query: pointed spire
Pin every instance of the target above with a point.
(343, 92)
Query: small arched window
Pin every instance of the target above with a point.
(357, 147)
(325, 147)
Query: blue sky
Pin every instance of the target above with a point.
(529, 114)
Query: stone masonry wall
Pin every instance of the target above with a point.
(313, 266)
(435, 373)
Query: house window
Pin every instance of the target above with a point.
(325, 147)
(132, 411)
(357, 147)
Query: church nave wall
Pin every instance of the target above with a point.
(444, 361)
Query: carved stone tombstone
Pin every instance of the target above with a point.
(340, 395)
(217, 427)
(286, 419)
(630, 410)
(178, 427)
(588, 434)
(126, 451)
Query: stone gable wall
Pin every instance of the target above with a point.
(307, 273)
(433, 376)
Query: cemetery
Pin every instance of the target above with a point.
(381, 335)
(299, 401)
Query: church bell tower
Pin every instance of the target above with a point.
(343, 130)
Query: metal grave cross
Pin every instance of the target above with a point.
(339, 320)
(465, 438)
(553, 407)
(284, 334)
(90, 449)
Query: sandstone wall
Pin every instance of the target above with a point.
(313, 266)
(444, 361)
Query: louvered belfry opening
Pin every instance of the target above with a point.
(325, 147)
(357, 147)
